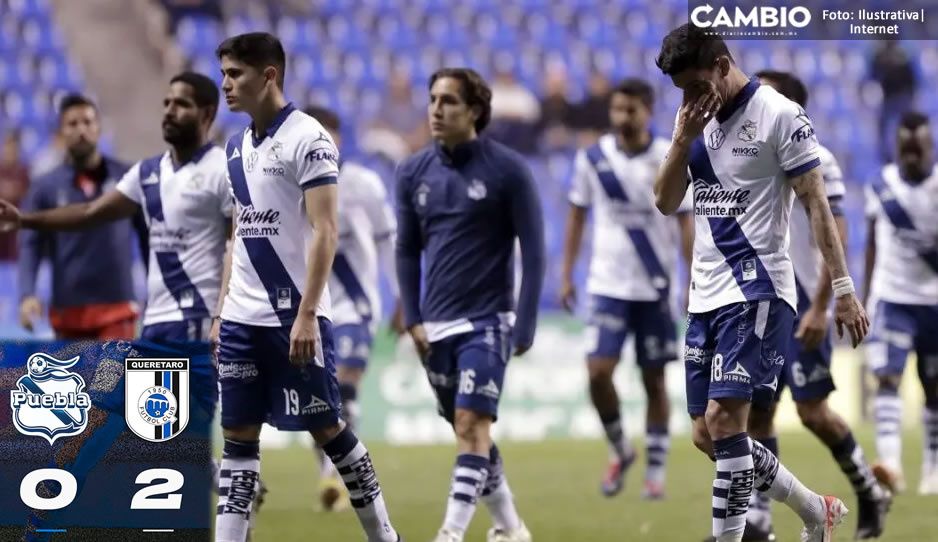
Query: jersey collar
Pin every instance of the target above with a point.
(460, 154)
(739, 101)
(279, 119)
(196, 157)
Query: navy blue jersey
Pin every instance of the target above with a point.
(463, 210)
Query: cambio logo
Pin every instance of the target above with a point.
(755, 17)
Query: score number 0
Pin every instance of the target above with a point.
(147, 498)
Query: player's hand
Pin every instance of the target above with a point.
(696, 113)
(849, 313)
(30, 310)
(213, 335)
(813, 328)
(303, 337)
(397, 326)
(9, 217)
(568, 295)
(419, 335)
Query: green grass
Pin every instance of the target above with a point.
(556, 487)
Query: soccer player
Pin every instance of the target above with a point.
(366, 239)
(632, 270)
(186, 201)
(461, 202)
(902, 285)
(744, 147)
(807, 368)
(275, 346)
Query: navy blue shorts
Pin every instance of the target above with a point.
(353, 345)
(900, 329)
(467, 370)
(613, 319)
(183, 331)
(259, 384)
(736, 351)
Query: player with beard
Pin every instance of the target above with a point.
(631, 275)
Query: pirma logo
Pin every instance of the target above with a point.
(50, 401)
(156, 397)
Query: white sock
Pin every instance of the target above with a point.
(778, 483)
(497, 495)
(887, 411)
(351, 459)
(732, 487)
(469, 476)
(657, 445)
(237, 484)
(760, 510)
(620, 448)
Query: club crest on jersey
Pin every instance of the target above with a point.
(747, 132)
(476, 190)
(156, 397)
(422, 192)
(716, 138)
(273, 155)
(49, 401)
(252, 161)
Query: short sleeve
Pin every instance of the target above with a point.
(224, 193)
(382, 215)
(580, 191)
(130, 186)
(796, 145)
(316, 160)
(833, 176)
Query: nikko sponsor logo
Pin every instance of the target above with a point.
(258, 223)
(273, 171)
(716, 201)
(746, 152)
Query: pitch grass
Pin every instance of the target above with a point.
(556, 484)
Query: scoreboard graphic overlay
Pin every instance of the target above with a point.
(105, 441)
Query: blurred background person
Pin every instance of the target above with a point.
(556, 119)
(399, 129)
(515, 112)
(92, 286)
(592, 114)
(894, 70)
(14, 181)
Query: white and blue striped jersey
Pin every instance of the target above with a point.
(187, 211)
(805, 254)
(906, 268)
(268, 176)
(634, 253)
(739, 170)
(366, 241)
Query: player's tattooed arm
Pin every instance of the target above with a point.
(809, 187)
(813, 326)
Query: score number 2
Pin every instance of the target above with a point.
(147, 498)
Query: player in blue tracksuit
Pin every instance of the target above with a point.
(461, 203)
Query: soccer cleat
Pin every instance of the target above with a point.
(928, 485)
(752, 534)
(824, 531)
(893, 480)
(447, 536)
(521, 534)
(614, 480)
(332, 495)
(653, 491)
(258, 502)
(871, 516)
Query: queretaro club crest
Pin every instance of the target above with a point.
(49, 401)
(156, 397)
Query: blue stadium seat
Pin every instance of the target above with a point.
(196, 34)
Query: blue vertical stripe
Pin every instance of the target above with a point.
(353, 287)
(729, 237)
(646, 253)
(168, 384)
(901, 220)
(270, 270)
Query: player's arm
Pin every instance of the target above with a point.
(809, 187)
(573, 237)
(869, 260)
(32, 245)
(671, 180)
(107, 208)
(407, 248)
(686, 225)
(813, 327)
(528, 220)
(321, 209)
